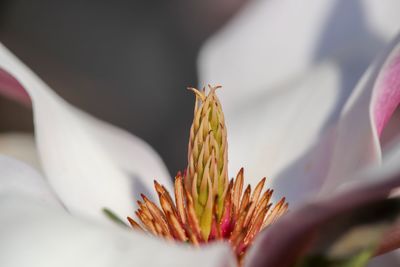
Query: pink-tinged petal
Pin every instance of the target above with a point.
(290, 237)
(357, 144)
(387, 92)
(84, 172)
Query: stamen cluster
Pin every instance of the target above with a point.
(207, 206)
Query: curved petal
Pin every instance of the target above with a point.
(80, 168)
(20, 146)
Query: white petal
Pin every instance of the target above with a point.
(79, 167)
(285, 135)
(270, 43)
(20, 146)
(39, 236)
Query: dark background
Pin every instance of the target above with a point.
(126, 62)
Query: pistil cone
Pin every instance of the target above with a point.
(206, 176)
(207, 206)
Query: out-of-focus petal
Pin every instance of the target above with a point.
(36, 235)
(20, 146)
(357, 188)
(78, 166)
(287, 239)
(271, 43)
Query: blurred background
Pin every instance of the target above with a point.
(126, 62)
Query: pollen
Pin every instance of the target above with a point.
(206, 205)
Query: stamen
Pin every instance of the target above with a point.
(206, 205)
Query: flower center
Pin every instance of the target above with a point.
(207, 206)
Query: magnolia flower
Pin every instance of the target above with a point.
(52, 216)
